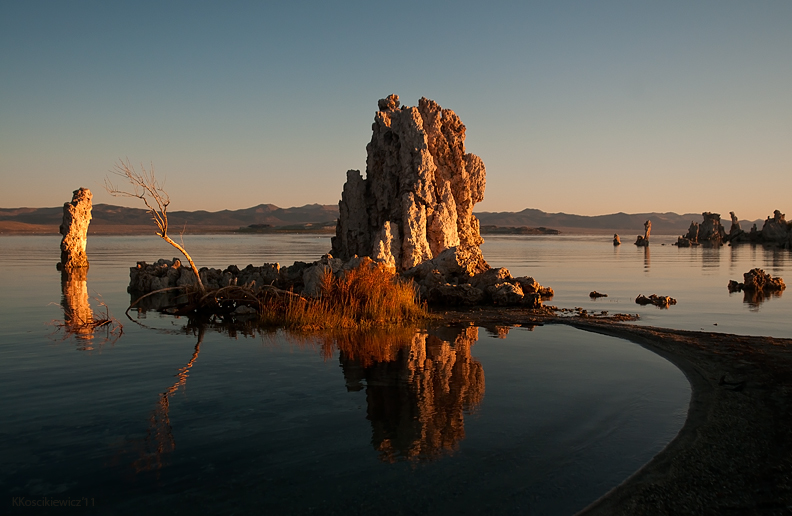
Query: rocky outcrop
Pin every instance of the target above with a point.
(709, 233)
(454, 278)
(757, 287)
(417, 198)
(777, 231)
(659, 301)
(643, 241)
(616, 240)
(736, 233)
(76, 218)
(757, 280)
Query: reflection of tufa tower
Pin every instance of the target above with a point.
(417, 400)
(77, 313)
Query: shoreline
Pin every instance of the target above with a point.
(733, 455)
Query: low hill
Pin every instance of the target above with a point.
(117, 219)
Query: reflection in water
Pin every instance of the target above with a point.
(710, 258)
(77, 313)
(647, 258)
(418, 393)
(79, 319)
(159, 439)
(756, 297)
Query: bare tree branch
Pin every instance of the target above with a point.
(147, 188)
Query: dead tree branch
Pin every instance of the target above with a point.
(147, 188)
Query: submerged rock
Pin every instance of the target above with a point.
(661, 301)
(76, 218)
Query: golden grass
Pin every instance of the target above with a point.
(367, 297)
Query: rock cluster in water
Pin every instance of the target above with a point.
(445, 280)
(413, 212)
(757, 280)
(710, 233)
(301, 277)
(661, 301)
(420, 188)
(76, 218)
(641, 241)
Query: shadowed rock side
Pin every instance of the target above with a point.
(76, 218)
(418, 398)
(420, 188)
(643, 241)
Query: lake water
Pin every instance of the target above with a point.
(169, 418)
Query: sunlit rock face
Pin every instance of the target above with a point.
(76, 218)
(419, 191)
(417, 398)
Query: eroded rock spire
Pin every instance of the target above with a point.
(417, 198)
(76, 218)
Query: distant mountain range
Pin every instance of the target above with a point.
(117, 219)
(662, 223)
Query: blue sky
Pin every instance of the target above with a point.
(580, 107)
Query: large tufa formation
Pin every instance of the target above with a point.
(709, 233)
(76, 218)
(420, 188)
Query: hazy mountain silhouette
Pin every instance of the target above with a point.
(48, 219)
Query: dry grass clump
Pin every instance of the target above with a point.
(365, 297)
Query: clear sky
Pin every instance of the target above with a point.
(579, 107)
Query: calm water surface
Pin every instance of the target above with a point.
(170, 418)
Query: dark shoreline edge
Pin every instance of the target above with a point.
(733, 455)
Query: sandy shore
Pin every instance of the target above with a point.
(734, 453)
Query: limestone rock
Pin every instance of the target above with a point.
(660, 301)
(420, 188)
(736, 233)
(453, 295)
(711, 231)
(776, 230)
(505, 294)
(616, 240)
(643, 241)
(76, 218)
(314, 279)
(531, 286)
(757, 280)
